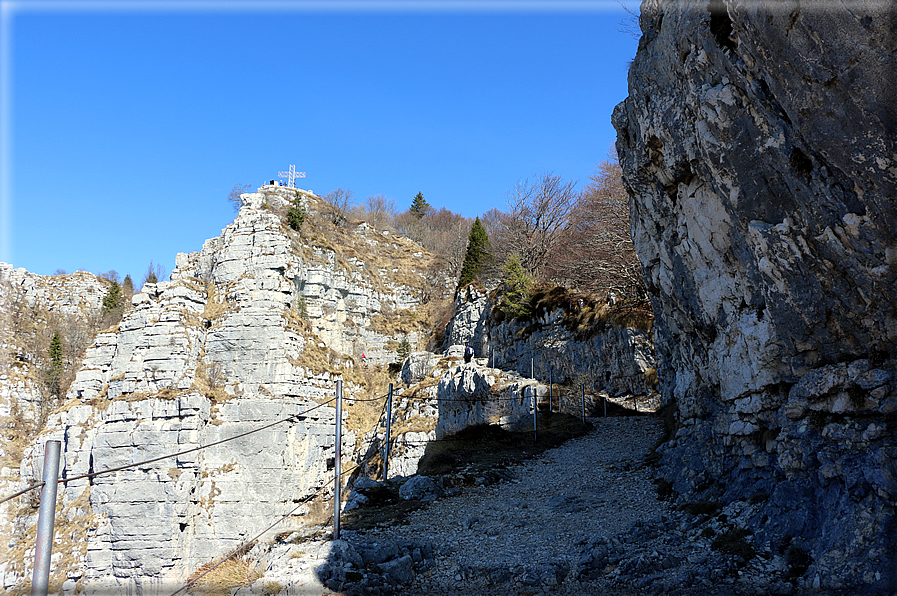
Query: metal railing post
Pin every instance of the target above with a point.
(337, 480)
(550, 389)
(40, 579)
(388, 425)
(535, 430)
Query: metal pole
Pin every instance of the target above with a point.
(337, 480)
(40, 579)
(583, 388)
(550, 383)
(388, 424)
(604, 400)
(535, 431)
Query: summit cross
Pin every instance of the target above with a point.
(291, 176)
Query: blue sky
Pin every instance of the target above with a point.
(126, 124)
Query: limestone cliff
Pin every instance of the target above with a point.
(251, 331)
(567, 339)
(758, 143)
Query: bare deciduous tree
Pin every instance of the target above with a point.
(337, 205)
(536, 224)
(601, 256)
(234, 195)
(380, 212)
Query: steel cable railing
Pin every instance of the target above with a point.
(291, 418)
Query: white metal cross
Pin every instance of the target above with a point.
(291, 176)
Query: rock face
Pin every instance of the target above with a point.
(251, 332)
(758, 143)
(31, 308)
(447, 396)
(615, 359)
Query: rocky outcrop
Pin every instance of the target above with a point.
(32, 308)
(615, 358)
(251, 332)
(469, 395)
(758, 143)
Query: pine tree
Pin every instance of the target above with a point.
(404, 349)
(517, 285)
(478, 248)
(419, 206)
(56, 351)
(113, 298)
(54, 372)
(296, 214)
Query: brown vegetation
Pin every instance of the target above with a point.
(574, 239)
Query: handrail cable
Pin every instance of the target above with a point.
(291, 417)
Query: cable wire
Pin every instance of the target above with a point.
(292, 417)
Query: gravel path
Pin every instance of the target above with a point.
(538, 521)
(582, 518)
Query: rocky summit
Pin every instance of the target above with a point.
(758, 142)
(253, 331)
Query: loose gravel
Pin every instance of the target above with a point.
(595, 484)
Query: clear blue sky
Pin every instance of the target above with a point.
(126, 124)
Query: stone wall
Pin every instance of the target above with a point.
(758, 142)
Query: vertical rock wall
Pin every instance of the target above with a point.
(758, 144)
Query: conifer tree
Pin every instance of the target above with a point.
(419, 206)
(54, 372)
(517, 285)
(127, 287)
(113, 298)
(478, 248)
(296, 214)
(404, 349)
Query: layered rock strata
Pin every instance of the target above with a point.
(758, 143)
(251, 332)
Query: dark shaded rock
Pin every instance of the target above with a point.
(759, 144)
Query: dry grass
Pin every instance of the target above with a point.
(393, 323)
(74, 523)
(233, 573)
(387, 262)
(16, 433)
(371, 383)
(210, 380)
(585, 315)
(216, 305)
